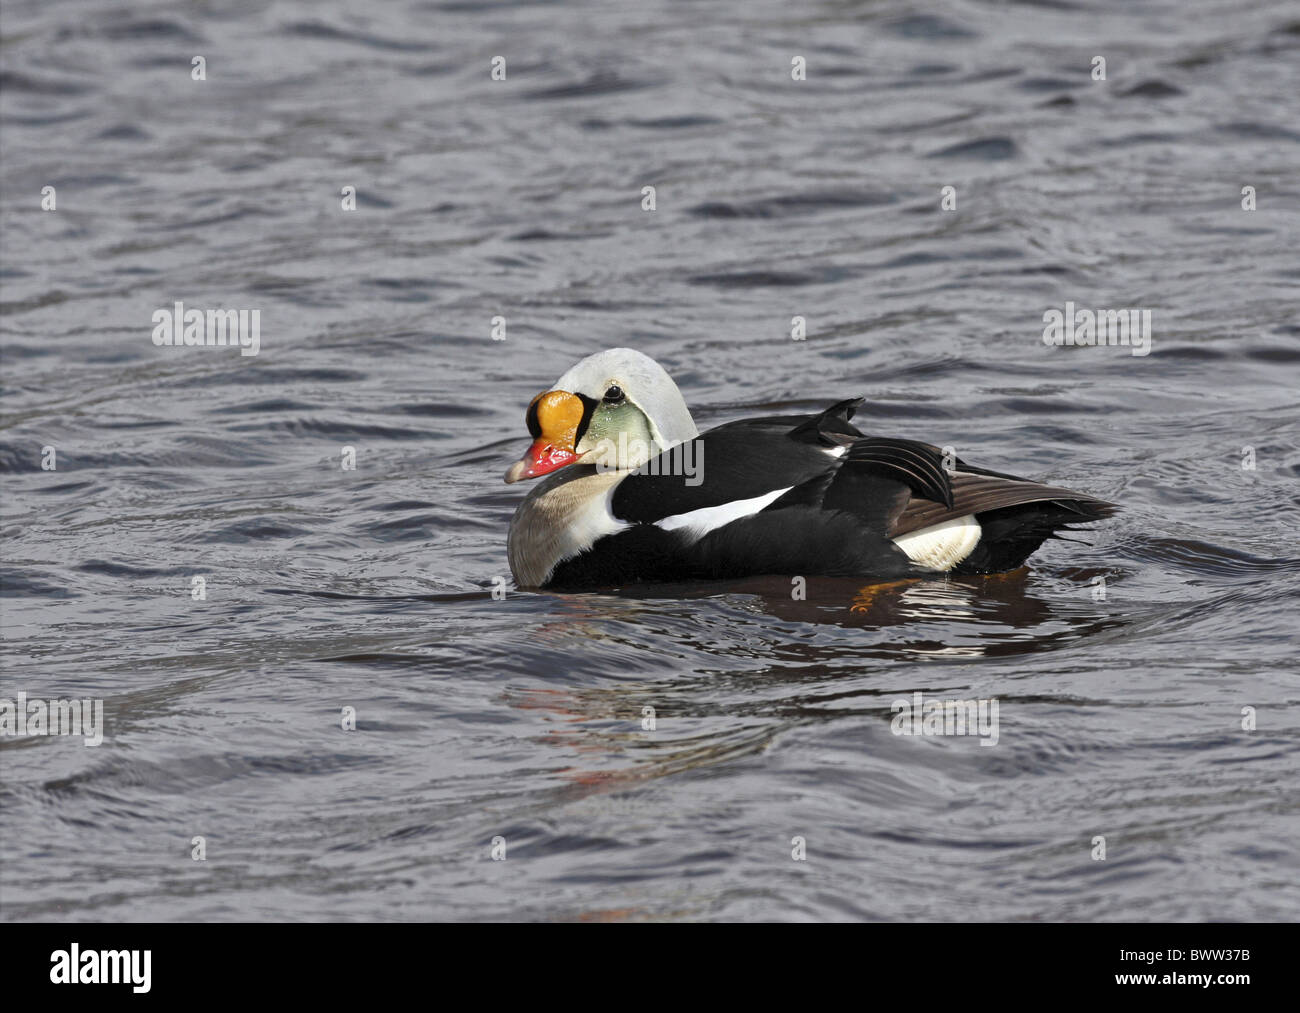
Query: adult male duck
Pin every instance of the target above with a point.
(634, 493)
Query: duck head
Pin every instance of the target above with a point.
(617, 408)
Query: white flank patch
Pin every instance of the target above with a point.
(700, 522)
(942, 546)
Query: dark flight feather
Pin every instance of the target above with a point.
(977, 494)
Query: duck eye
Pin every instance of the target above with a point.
(614, 395)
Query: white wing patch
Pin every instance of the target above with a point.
(700, 522)
(942, 546)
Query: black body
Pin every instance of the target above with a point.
(839, 517)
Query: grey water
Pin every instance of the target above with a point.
(1146, 675)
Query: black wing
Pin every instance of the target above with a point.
(737, 461)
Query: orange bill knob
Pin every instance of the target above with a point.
(553, 418)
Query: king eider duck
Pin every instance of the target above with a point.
(633, 493)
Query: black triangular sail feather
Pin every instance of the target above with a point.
(832, 427)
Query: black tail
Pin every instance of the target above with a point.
(1011, 534)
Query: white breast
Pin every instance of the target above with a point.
(560, 518)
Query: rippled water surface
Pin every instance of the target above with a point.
(1120, 716)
